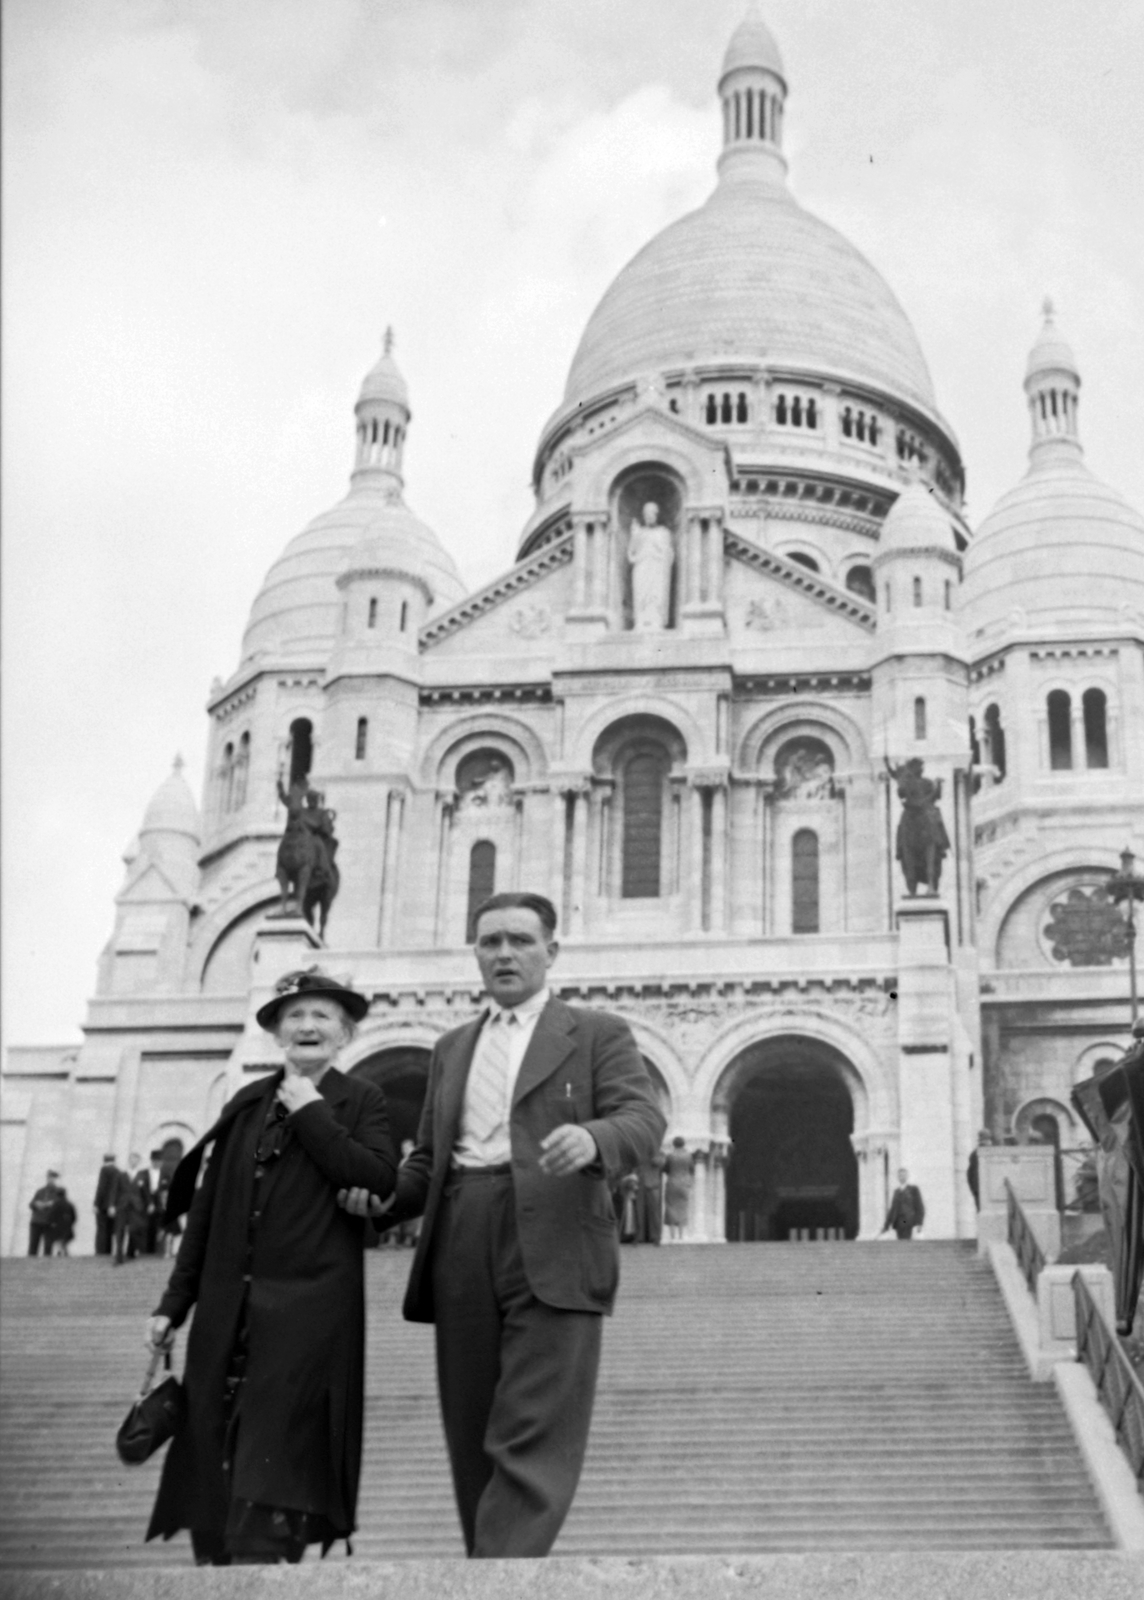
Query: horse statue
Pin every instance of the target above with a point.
(922, 839)
(306, 870)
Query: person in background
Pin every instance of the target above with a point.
(61, 1226)
(41, 1206)
(154, 1207)
(972, 1172)
(132, 1198)
(106, 1191)
(679, 1174)
(907, 1210)
(649, 1201)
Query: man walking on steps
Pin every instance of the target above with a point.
(532, 1112)
(907, 1209)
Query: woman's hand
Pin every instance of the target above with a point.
(160, 1334)
(296, 1091)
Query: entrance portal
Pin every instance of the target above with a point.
(792, 1173)
(401, 1074)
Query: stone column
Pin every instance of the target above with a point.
(701, 611)
(446, 807)
(518, 796)
(697, 1231)
(574, 912)
(695, 884)
(591, 548)
(560, 851)
(720, 1155)
(719, 855)
(394, 820)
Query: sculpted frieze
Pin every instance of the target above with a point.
(692, 1025)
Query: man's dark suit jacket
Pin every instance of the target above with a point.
(907, 1209)
(580, 1066)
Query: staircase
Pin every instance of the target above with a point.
(753, 1399)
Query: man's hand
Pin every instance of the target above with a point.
(360, 1203)
(296, 1091)
(567, 1149)
(160, 1335)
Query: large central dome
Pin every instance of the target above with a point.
(751, 276)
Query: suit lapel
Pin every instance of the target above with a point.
(551, 1044)
(454, 1075)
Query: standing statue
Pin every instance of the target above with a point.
(922, 839)
(651, 555)
(306, 870)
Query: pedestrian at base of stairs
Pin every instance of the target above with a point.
(106, 1189)
(907, 1209)
(41, 1204)
(532, 1111)
(61, 1224)
(679, 1175)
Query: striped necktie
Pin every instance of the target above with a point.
(485, 1091)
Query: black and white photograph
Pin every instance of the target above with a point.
(573, 629)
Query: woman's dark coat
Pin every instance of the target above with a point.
(299, 1261)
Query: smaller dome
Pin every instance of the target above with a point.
(383, 381)
(172, 808)
(753, 45)
(397, 541)
(915, 522)
(1051, 353)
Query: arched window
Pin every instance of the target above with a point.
(482, 880)
(226, 777)
(919, 718)
(361, 738)
(241, 769)
(371, 620)
(726, 414)
(917, 591)
(780, 409)
(1095, 708)
(1060, 731)
(948, 595)
(373, 431)
(741, 409)
(804, 882)
(860, 428)
(643, 781)
(712, 409)
(847, 423)
(995, 740)
(808, 562)
(796, 412)
(811, 414)
(750, 99)
(301, 749)
(860, 581)
(404, 615)
(874, 430)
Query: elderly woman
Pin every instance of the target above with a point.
(270, 1455)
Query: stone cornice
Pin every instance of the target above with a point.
(486, 694)
(794, 576)
(785, 683)
(520, 577)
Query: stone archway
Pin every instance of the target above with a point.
(792, 1172)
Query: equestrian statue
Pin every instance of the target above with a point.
(306, 870)
(922, 839)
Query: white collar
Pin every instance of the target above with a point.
(526, 1011)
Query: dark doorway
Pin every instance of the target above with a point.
(401, 1074)
(793, 1173)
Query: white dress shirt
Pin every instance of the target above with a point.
(471, 1150)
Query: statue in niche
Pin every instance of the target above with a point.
(651, 554)
(922, 839)
(486, 782)
(806, 772)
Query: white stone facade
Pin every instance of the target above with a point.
(707, 801)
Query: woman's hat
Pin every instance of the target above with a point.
(313, 981)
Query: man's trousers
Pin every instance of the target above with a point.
(516, 1377)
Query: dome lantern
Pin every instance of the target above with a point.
(752, 88)
(1052, 384)
(383, 418)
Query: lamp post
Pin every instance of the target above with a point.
(1128, 884)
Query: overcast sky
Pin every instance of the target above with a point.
(212, 209)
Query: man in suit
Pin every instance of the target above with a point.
(106, 1190)
(132, 1199)
(907, 1209)
(531, 1113)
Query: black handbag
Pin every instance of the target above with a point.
(156, 1416)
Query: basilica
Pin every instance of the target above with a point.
(750, 655)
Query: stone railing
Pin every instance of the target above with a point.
(1029, 1171)
(1022, 1239)
(1120, 1390)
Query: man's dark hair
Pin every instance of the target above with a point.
(512, 898)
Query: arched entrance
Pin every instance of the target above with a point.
(792, 1172)
(401, 1074)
